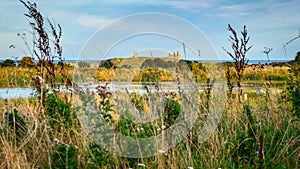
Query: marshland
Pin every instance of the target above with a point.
(164, 112)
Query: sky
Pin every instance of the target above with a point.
(95, 29)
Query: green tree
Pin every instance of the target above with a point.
(8, 63)
(110, 63)
(26, 62)
(297, 58)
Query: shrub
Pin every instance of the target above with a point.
(172, 110)
(60, 113)
(8, 63)
(84, 64)
(15, 127)
(99, 158)
(26, 62)
(294, 87)
(64, 156)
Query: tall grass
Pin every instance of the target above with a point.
(258, 133)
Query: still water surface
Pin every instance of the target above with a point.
(6, 93)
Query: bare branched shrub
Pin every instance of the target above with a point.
(240, 49)
(267, 51)
(46, 44)
(228, 76)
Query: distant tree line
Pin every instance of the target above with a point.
(107, 64)
(26, 62)
(110, 63)
(297, 58)
(192, 65)
(8, 63)
(157, 63)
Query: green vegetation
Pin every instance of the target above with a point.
(157, 63)
(294, 86)
(14, 127)
(26, 62)
(64, 156)
(297, 58)
(56, 129)
(153, 75)
(22, 75)
(260, 132)
(8, 63)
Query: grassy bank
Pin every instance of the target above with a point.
(53, 137)
(260, 131)
(124, 69)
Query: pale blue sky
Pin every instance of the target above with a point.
(270, 23)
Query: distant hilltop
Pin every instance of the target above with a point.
(174, 55)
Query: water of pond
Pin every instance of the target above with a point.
(7, 93)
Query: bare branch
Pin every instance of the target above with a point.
(46, 43)
(239, 51)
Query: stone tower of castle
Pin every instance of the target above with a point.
(135, 55)
(175, 55)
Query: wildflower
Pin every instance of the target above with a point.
(137, 129)
(158, 129)
(257, 92)
(93, 122)
(245, 96)
(65, 144)
(161, 151)
(163, 127)
(56, 141)
(142, 165)
(142, 129)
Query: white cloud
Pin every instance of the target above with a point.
(238, 7)
(92, 21)
(189, 5)
(238, 10)
(277, 16)
(231, 15)
(184, 5)
(86, 20)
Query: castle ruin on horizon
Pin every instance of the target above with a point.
(174, 55)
